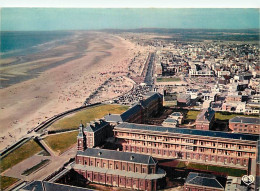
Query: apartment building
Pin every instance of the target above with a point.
(207, 147)
(245, 125)
(120, 169)
(205, 119)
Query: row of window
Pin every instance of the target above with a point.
(186, 147)
(110, 166)
(121, 180)
(223, 145)
(177, 153)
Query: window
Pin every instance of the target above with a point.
(136, 169)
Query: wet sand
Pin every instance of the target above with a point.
(24, 105)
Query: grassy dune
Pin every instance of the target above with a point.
(61, 142)
(90, 114)
(18, 155)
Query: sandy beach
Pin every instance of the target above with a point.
(26, 104)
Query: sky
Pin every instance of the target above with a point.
(133, 3)
(48, 19)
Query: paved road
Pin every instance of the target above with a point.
(149, 74)
(56, 162)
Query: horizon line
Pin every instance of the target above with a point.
(130, 29)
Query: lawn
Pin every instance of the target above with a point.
(6, 181)
(222, 116)
(218, 169)
(168, 79)
(36, 167)
(18, 155)
(62, 141)
(192, 115)
(85, 116)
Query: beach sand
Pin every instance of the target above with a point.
(26, 104)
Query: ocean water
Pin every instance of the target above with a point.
(21, 43)
(27, 47)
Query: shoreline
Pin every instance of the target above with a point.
(65, 86)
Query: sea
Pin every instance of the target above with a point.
(20, 43)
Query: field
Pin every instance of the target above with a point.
(85, 116)
(18, 155)
(215, 169)
(62, 141)
(218, 169)
(6, 181)
(168, 79)
(192, 115)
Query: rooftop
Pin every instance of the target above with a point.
(118, 155)
(215, 134)
(170, 120)
(124, 116)
(95, 126)
(203, 180)
(176, 114)
(206, 115)
(249, 120)
(47, 186)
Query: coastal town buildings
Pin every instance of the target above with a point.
(205, 119)
(202, 146)
(93, 134)
(120, 169)
(140, 112)
(245, 125)
(183, 100)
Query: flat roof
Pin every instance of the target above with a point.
(144, 127)
(170, 120)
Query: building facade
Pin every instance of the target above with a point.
(120, 169)
(183, 100)
(93, 134)
(245, 125)
(210, 147)
(205, 119)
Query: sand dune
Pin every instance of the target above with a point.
(66, 86)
